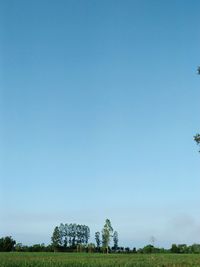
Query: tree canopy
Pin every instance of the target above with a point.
(7, 244)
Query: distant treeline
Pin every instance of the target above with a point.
(75, 238)
(8, 244)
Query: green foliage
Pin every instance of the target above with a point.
(98, 241)
(151, 249)
(7, 244)
(148, 249)
(174, 248)
(106, 234)
(183, 248)
(56, 239)
(195, 248)
(71, 236)
(115, 240)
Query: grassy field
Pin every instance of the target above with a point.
(97, 260)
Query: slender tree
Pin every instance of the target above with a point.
(115, 240)
(98, 241)
(70, 234)
(65, 236)
(106, 235)
(62, 233)
(56, 239)
(74, 234)
(86, 234)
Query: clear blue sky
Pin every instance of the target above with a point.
(99, 102)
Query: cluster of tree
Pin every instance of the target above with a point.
(7, 244)
(183, 248)
(151, 249)
(180, 248)
(103, 240)
(70, 236)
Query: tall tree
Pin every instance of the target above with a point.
(106, 234)
(74, 234)
(56, 239)
(115, 240)
(70, 233)
(62, 233)
(98, 241)
(79, 233)
(86, 234)
(65, 237)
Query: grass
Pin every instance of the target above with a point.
(97, 260)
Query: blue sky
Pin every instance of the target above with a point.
(99, 102)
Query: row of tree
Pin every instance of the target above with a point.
(70, 235)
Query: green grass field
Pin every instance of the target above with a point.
(97, 260)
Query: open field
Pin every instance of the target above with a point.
(97, 260)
